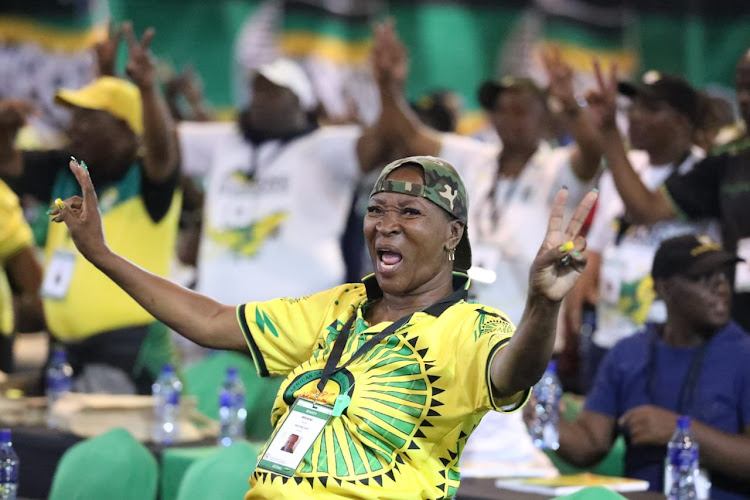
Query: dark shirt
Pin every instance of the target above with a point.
(719, 187)
(721, 396)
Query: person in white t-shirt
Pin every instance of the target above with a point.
(662, 120)
(270, 179)
(512, 185)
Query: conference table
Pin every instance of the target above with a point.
(40, 449)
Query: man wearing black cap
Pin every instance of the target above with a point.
(662, 118)
(717, 187)
(695, 364)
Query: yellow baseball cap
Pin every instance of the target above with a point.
(116, 96)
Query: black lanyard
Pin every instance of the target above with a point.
(331, 367)
(492, 203)
(687, 390)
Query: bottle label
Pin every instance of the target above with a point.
(9, 474)
(683, 458)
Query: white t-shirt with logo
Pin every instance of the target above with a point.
(626, 294)
(507, 230)
(273, 214)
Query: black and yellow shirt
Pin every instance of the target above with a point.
(15, 235)
(89, 303)
(415, 397)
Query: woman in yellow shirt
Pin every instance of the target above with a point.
(20, 276)
(387, 378)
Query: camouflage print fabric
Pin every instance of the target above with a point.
(443, 186)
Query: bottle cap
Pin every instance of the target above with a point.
(552, 366)
(59, 355)
(167, 368)
(683, 422)
(5, 435)
(232, 371)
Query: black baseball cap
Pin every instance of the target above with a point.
(690, 255)
(668, 88)
(490, 89)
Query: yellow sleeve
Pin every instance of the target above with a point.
(15, 233)
(478, 341)
(281, 333)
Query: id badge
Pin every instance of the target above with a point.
(742, 271)
(302, 426)
(58, 275)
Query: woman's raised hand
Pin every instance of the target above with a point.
(81, 215)
(561, 258)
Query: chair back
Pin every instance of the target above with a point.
(204, 378)
(113, 465)
(229, 471)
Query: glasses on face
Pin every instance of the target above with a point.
(710, 280)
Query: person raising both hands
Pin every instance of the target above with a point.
(391, 374)
(123, 130)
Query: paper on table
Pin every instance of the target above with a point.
(89, 415)
(564, 485)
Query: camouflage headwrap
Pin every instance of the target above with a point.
(442, 186)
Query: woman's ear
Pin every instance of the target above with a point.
(457, 229)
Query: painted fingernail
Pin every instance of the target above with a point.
(59, 204)
(49, 211)
(577, 255)
(565, 187)
(566, 247)
(83, 164)
(595, 190)
(74, 159)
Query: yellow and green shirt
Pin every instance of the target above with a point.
(416, 396)
(15, 235)
(92, 303)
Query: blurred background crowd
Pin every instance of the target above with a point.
(261, 125)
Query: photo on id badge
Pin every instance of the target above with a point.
(291, 443)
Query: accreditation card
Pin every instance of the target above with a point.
(302, 426)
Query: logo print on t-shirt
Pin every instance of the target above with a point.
(636, 298)
(247, 240)
(395, 398)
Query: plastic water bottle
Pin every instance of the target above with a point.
(59, 381)
(166, 391)
(548, 391)
(9, 466)
(681, 465)
(232, 411)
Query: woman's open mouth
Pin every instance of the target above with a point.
(388, 260)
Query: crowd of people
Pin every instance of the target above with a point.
(483, 257)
